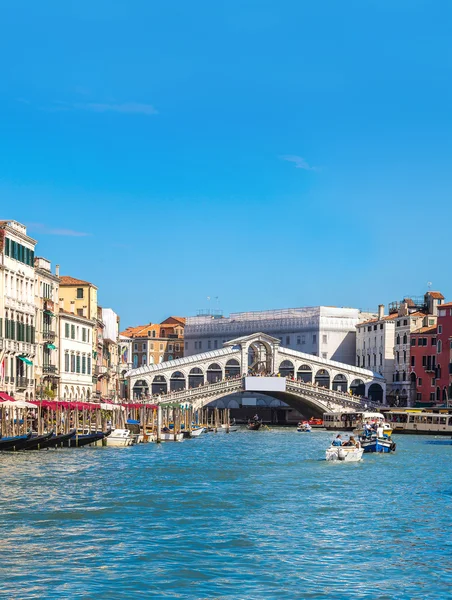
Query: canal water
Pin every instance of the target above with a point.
(247, 515)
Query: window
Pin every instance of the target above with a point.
(186, 346)
(88, 369)
(413, 341)
(170, 347)
(324, 355)
(324, 339)
(405, 338)
(381, 325)
(369, 328)
(80, 312)
(440, 328)
(72, 363)
(303, 340)
(357, 360)
(73, 332)
(215, 344)
(413, 361)
(298, 340)
(196, 345)
(209, 344)
(143, 347)
(419, 381)
(79, 293)
(398, 323)
(405, 321)
(439, 346)
(77, 363)
(151, 345)
(398, 340)
(397, 357)
(87, 335)
(66, 362)
(381, 359)
(143, 359)
(66, 330)
(153, 333)
(287, 340)
(177, 346)
(432, 397)
(161, 347)
(83, 364)
(83, 334)
(433, 341)
(200, 345)
(404, 356)
(135, 347)
(431, 321)
(314, 338)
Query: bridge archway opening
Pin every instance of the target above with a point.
(259, 357)
(159, 385)
(287, 369)
(304, 374)
(177, 381)
(375, 393)
(140, 389)
(322, 378)
(340, 383)
(232, 368)
(195, 378)
(233, 404)
(214, 373)
(357, 387)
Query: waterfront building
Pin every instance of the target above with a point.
(17, 310)
(156, 342)
(423, 365)
(125, 363)
(444, 351)
(106, 372)
(412, 313)
(76, 350)
(325, 331)
(375, 344)
(47, 330)
(80, 294)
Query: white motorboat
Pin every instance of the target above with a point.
(304, 428)
(120, 437)
(196, 431)
(230, 427)
(171, 437)
(344, 453)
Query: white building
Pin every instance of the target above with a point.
(375, 344)
(125, 363)
(47, 331)
(325, 331)
(76, 363)
(17, 310)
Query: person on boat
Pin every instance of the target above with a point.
(352, 442)
(256, 417)
(380, 430)
(337, 441)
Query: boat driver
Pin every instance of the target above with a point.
(338, 440)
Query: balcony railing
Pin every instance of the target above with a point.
(49, 335)
(22, 382)
(49, 369)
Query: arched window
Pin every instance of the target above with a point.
(439, 346)
(398, 339)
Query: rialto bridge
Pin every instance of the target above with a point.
(258, 363)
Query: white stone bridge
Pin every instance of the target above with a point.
(257, 363)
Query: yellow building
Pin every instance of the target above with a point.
(79, 295)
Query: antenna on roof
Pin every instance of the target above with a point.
(429, 283)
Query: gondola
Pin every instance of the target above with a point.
(77, 441)
(54, 441)
(17, 441)
(254, 426)
(31, 443)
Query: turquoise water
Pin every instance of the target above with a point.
(246, 515)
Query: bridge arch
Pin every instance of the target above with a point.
(340, 383)
(141, 389)
(375, 392)
(177, 381)
(232, 368)
(195, 377)
(287, 368)
(214, 373)
(259, 356)
(304, 373)
(159, 385)
(357, 387)
(323, 378)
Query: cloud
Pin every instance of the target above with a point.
(44, 230)
(298, 161)
(136, 108)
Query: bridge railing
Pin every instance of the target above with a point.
(203, 390)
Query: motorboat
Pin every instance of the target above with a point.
(373, 443)
(120, 438)
(344, 453)
(196, 431)
(229, 427)
(170, 436)
(304, 427)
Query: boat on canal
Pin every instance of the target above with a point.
(14, 442)
(171, 436)
(421, 421)
(230, 428)
(344, 453)
(304, 427)
(120, 438)
(84, 439)
(254, 425)
(373, 443)
(350, 421)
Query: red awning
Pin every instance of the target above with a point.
(4, 396)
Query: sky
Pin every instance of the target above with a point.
(260, 153)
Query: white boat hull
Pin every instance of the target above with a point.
(171, 437)
(197, 432)
(231, 428)
(344, 454)
(120, 438)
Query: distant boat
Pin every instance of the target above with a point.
(167, 436)
(230, 427)
(254, 425)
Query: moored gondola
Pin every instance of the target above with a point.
(77, 441)
(32, 443)
(53, 441)
(13, 443)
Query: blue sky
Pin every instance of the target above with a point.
(270, 153)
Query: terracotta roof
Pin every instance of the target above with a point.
(71, 314)
(169, 319)
(446, 305)
(430, 329)
(418, 313)
(385, 318)
(66, 280)
(436, 295)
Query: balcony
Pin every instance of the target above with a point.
(22, 382)
(49, 335)
(49, 369)
(100, 370)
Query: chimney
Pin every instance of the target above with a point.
(72, 308)
(57, 270)
(381, 311)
